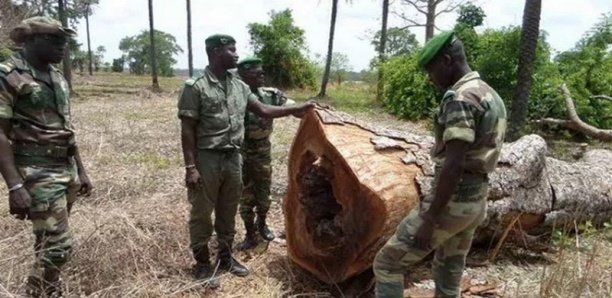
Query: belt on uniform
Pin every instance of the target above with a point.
(52, 151)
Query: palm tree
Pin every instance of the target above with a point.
(381, 49)
(529, 41)
(330, 48)
(87, 12)
(61, 11)
(189, 52)
(155, 85)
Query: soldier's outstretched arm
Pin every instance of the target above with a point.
(268, 111)
(19, 198)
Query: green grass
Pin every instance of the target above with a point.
(349, 97)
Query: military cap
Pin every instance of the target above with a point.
(218, 40)
(433, 46)
(249, 62)
(39, 25)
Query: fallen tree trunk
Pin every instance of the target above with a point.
(350, 183)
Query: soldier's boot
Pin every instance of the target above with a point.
(203, 271)
(227, 262)
(263, 229)
(250, 239)
(52, 283)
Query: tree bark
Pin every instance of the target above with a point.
(351, 183)
(529, 42)
(330, 49)
(89, 55)
(155, 83)
(66, 63)
(381, 50)
(430, 19)
(189, 48)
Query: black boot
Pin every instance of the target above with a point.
(263, 229)
(52, 283)
(227, 262)
(202, 270)
(250, 239)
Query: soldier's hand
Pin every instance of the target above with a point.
(422, 238)
(86, 186)
(19, 203)
(192, 178)
(311, 104)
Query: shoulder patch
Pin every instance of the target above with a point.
(6, 67)
(192, 81)
(269, 89)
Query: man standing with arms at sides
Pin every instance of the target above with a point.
(212, 108)
(256, 152)
(39, 159)
(469, 132)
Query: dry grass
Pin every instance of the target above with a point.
(131, 235)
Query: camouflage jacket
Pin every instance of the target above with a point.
(219, 107)
(257, 128)
(39, 111)
(473, 112)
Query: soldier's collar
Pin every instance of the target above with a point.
(467, 77)
(212, 78)
(22, 64)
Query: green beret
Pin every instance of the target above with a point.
(433, 46)
(218, 40)
(249, 62)
(39, 25)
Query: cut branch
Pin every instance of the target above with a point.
(602, 97)
(578, 124)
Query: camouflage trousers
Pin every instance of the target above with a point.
(53, 190)
(221, 174)
(451, 240)
(256, 176)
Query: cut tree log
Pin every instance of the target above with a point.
(351, 183)
(574, 122)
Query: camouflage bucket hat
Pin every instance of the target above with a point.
(39, 25)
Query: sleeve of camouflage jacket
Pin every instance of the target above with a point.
(458, 121)
(189, 102)
(6, 100)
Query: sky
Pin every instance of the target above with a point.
(565, 21)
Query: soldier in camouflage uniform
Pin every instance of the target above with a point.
(256, 152)
(39, 159)
(212, 108)
(469, 132)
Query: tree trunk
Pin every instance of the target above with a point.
(89, 55)
(330, 48)
(529, 42)
(155, 83)
(189, 48)
(430, 19)
(351, 183)
(381, 50)
(66, 63)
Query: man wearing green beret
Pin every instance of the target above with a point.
(39, 159)
(469, 131)
(257, 171)
(212, 109)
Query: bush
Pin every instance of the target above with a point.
(407, 91)
(5, 53)
(118, 65)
